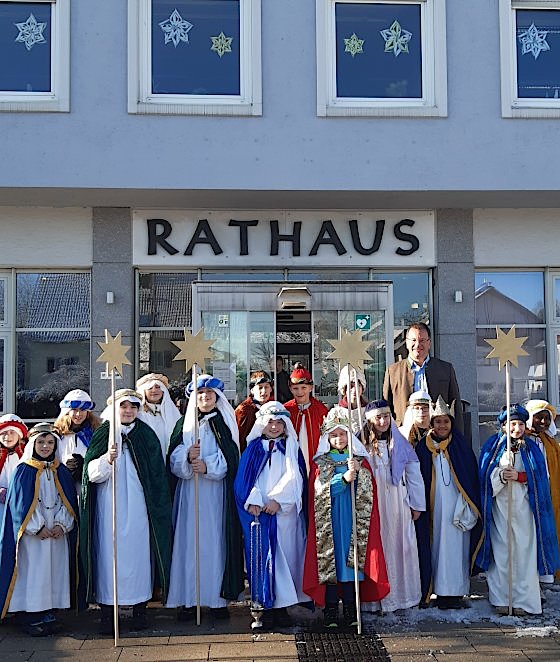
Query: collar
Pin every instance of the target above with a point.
(304, 407)
(154, 409)
(436, 447)
(414, 366)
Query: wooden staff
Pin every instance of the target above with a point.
(360, 419)
(114, 475)
(353, 499)
(196, 497)
(510, 497)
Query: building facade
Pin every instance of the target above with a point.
(274, 173)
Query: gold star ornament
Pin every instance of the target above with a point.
(351, 348)
(506, 347)
(113, 353)
(194, 349)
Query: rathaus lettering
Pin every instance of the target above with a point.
(366, 237)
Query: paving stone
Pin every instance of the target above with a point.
(111, 655)
(15, 643)
(423, 644)
(108, 642)
(257, 649)
(164, 653)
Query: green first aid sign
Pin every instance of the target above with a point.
(362, 321)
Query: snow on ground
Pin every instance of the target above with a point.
(542, 625)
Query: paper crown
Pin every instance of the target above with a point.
(440, 408)
(333, 421)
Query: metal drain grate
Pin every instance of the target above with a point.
(329, 647)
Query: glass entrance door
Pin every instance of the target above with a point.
(256, 324)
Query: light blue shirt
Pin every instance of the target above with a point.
(419, 372)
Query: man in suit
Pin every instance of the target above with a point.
(421, 372)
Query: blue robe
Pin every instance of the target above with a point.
(548, 557)
(21, 501)
(252, 462)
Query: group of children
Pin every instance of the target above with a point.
(295, 497)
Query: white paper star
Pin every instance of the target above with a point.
(221, 44)
(533, 41)
(176, 29)
(353, 45)
(31, 32)
(396, 39)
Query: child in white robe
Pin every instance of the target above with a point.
(158, 409)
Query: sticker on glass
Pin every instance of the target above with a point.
(31, 32)
(221, 44)
(533, 41)
(396, 39)
(353, 45)
(176, 29)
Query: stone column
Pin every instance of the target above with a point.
(111, 272)
(455, 337)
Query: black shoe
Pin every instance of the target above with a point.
(139, 621)
(37, 629)
(281, 617)
(450, 602)
(186, 614)
(107, 620)
(219, 613)
(350, 615)
(267, 620)
(330, 617)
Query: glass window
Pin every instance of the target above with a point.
(195, 56)
(165, 299)
(243, 275)
(509, 298)
(375, 55)
(325, 275)
(538, 49)
(34, 39)
(53, 340)
(2, 374)
(378, 50)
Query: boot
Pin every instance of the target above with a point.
(139, 621)
(107, 622)
(349, 613)
(330, 616)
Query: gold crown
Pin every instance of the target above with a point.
(335, 421)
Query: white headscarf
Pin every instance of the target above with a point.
(167, 408)
(30, 445)
(121, 395)
(275, 411)
(536, 406)
(222, 405)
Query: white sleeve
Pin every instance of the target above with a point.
(36, 523)
(497, 484)
(415, 486)
(179, 462)
(64, 519)
(216, 466)
(99, 470)
(255, 498)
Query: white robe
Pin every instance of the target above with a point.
(162, 429)
(133, 533)
(398, 533)
(43, 579)
(70, 445)
(5, 476)
(290, 550)
(182, 583)
(526, 591)
(450, 545)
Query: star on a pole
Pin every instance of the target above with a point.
(353, 45)
(351, 348)
(506, 347)
(221, 44)
(193, 349)
(113, 353)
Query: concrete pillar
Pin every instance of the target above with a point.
(111, 272)
(455, 333)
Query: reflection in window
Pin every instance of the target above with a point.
(25, 42)
(53, 340)
(378, 50)
(538, 42)
(2, 349)
(165, 299)
(509, 298)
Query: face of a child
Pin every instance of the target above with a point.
(154, 394)
(541, 421)
(301, 393)
(274, 429)
(9, 438)
(421, 415)
(262, 392)
(355, 393)
(206, 399)
(77, 416)
(381, 422)
(441, 426)
(516, 429)
(44, 445)
(128, 412)
(338, 439)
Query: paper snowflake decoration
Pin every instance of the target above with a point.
(176, 29)
(533, 41)
(353, 45)
(396, 39)
(221, 44)
(31, 32)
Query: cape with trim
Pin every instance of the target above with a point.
(4, 453)
(252, 462)
(313, 417)
(375, 585)
(548, 557)
(145, 451)
(233, 580)
(21, 502)
(464, 470)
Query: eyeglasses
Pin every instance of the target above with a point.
(418, 341)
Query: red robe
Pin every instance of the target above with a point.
(375, 585)
(313, 417)
(4, 452)
(245, 415)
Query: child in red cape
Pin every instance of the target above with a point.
(329, 553)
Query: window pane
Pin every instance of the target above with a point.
(242, 275)
(320, 276)
(195, 47)
(157, 353)
(165, 299)
(2, 350)
(52, 300)
(25, 43)
(557, 297)
(2, 300)
(50, 364)
(378, 50)
(515, 297)
(538, 44)
(527, 381)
